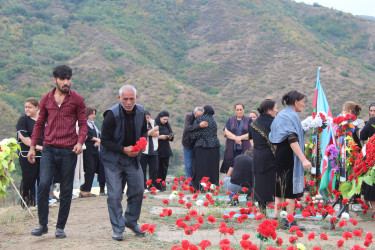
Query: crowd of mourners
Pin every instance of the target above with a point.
(61, 144)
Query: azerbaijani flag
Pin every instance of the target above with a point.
(321, 105)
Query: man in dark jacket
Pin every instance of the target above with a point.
(187, 144)
(123, 125)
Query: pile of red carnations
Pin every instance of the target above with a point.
(344, 124)
(198, 218)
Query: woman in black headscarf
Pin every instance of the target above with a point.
(206, 149)
(164, 150)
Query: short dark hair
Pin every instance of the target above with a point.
(147, 112)
(371, 105)
(266, 105)
(62, 72)
(235, 105)
(291, 97)
(90, 111)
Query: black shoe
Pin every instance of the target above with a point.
(60, 233)
(118, 236)
(40, 230)
(136, 229)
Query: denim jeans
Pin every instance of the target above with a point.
(188, 159)
(62, 161)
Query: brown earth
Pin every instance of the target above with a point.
(88, 227)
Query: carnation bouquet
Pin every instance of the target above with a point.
(140, 145)
(344, 125)
(317, 122)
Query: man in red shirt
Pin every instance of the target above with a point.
(60, 109)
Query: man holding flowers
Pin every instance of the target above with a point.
(124, 125)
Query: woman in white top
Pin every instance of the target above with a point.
(150, 155)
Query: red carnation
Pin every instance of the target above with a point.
(204, 244)
(144, 227)
(290, 218)
(311, 236)
(279, 241)
(346, 235)
(211, 219)
(189, 230)
(340, 243)
(245, 236)
(343, 223)
(323, 236)
(293, 239)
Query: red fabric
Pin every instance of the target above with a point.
(60, 130)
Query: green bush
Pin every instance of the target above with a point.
(344, 74)
(60, 55)
(211, 90)
(112, 54)
(14, 10)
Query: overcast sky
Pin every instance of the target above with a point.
(356, 7)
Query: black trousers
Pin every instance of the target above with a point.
(30, 175)
(163, 164)
(90, 164)
(152, 161)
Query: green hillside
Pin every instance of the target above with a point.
(181, 53)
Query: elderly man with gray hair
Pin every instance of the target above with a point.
(187, 143)
(123, 125)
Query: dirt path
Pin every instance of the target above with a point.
(88, 227)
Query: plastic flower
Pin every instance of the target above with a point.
(199, 203)
(283, 214)
(345, 216)
(300, 246)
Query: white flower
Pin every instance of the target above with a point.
(172, 196)
(329, 217)
(306, 123)
(345, 216)
(283, 214)
(313, 198)
(318, 196)
(321, 201)
(199, 203)
(317, 122)
(212, 187)
(203, 184)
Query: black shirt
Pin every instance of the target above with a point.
(242, 174)
(25, 126)
(109, 123)
(368, 130)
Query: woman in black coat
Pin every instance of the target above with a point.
(164, 149)
(206, 149)
(30, 171)
(264, 165)
(90, 154)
